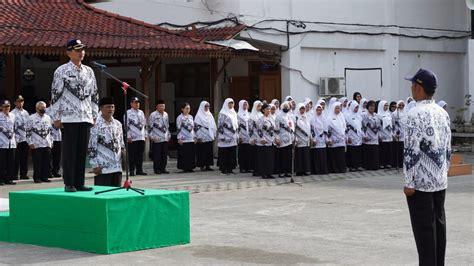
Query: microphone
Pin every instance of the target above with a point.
(98, 65)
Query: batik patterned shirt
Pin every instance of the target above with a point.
(136, 125)
(427, 147)
(7, 131)
(227, 134)
(74, 94)
(106, 145)
(56, 132)
(185, 128)
(265, 131)
(243, 130)
(38, 131)
(285, 133)
(21, 119)
(371, 127)
(159, 127)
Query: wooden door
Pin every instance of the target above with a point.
(269, 87)
(239, 89)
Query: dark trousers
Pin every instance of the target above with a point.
(56, 157)
(204, 154)
(428, 222)
(21, 159)
(135, 156)
(75, 138)
(41, 163)
(7, 163)
(284, 159)
(244, 156)
(109, 180)
(385, 154)
(398, 154)
(160, 156)
(227, 159)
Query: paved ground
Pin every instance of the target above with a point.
(354, 218)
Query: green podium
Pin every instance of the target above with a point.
(114, 222)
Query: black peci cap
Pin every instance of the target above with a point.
(134, 99)
(106, 100)
(74, 45)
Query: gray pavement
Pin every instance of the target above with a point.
(354, 218)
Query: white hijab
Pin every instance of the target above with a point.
(277, 104)
(286, 116)
(303, 117)
(400, 114)
(442, 104)
(362, 109)
(385, 116)
(230, 112)
(342, 100)
(206, 119)
(354, 118)
(329, 105)
(337, 121)
(319, 122)
(411, 104)
(255, 114)
(243, 114)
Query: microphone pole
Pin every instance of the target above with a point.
(125, 86)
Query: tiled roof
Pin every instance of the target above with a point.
(214, 33)
(44, 27)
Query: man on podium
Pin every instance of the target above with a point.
(74, 104)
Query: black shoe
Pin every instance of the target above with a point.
(84, 188)
(157, 172)
(45, 180)
(270, 177)
(255, 174)
(70, 189)
(24, 177)
(165, 172)
(132, 174)
(10, 182)
(287, 175)
(188, 171)
(141, 173)
(37, 180)
(281, 175)
(57, 175)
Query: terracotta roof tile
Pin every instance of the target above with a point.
(47, 25)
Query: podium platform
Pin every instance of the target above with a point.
(114, 222)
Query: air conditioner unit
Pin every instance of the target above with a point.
(332, 86)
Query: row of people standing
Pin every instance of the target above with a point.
(22, 132)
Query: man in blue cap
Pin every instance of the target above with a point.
(425, 168)
(74, 108)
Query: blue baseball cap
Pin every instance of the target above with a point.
(425, 78)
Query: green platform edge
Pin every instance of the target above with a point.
(108, 223)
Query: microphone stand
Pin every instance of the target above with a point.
(127, 185)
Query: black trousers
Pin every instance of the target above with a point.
(244, 157)
(302, 160)
(21, 159)
(385, 154)
(337, 160)
(41, 163)
(319, 161)
(75, 138)
(370, 155)
(227, 160)
(56, 157)
(7, 164)
(354, 157)
(187, 156)
(109, 180)
(284, 158)
(428, 221)
(160, 156)
(135, 156)
(266, 160)
(204, 154)
(253, 156)
(398, 147)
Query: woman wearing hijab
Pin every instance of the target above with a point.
(443, 105)
(273, 111)
(318, 151)
(266, 139)
(410, 103)
(337, 140)
(302, 140)
(354, 137)
(186, 140)
(328, 109)
(385, 135)
(393, 107)
(357, 97)
(284, 129)
(276, 103)
(399, 125)
(363, 106)
(253, 119)
(371, 127)
(344, 101)
(244, 137)
(227, 125)
(205, 129)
